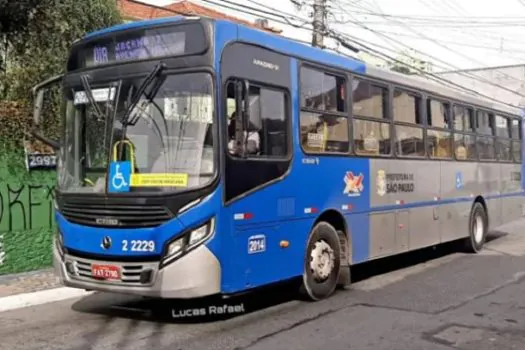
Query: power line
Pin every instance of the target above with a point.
(346, 43)
(344, 37)
(442, 61)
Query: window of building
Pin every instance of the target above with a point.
(369, 100)
(322, 91)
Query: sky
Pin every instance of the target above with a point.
(452, 34)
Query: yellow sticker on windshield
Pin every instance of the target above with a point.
(159, 180)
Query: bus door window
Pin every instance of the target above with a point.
(266, 129)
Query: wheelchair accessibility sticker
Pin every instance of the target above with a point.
(119, 176)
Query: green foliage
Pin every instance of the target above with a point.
(38, 48)
(41, 51)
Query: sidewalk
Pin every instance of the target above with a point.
(27, 282)
(33, 288)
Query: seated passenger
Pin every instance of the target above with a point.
(253, 142)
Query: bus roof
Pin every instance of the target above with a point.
(313, 54)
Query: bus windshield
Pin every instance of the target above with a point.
(169, 131)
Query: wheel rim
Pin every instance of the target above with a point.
(478, 228)
(322, 261)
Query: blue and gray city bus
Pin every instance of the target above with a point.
(201, 157)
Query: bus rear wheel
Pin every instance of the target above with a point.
(478, 226)
(322, 263)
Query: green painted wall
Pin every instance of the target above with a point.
(26, 215)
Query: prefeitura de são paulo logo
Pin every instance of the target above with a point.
(354, 184)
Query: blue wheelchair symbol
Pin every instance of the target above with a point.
(459, 180)
(119, 176)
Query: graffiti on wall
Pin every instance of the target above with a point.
(26, 223)
(26, 207)
(2, 252)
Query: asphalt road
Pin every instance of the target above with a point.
(434, 299)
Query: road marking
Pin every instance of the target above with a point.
(19, 301)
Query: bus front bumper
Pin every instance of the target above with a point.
(196, 274)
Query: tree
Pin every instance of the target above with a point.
(411, 63)
(14, 20)
(40, 50)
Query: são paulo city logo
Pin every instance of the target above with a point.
(354, 184)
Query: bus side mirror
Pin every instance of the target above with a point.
(38, 95)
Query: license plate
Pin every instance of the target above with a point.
(106, 272)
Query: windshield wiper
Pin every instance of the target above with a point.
(87, 90)
(152, 77)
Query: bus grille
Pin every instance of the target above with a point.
(123, 216)
(131, 273)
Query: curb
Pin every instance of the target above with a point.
(23, 300)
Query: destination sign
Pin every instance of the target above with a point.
(141, 44)
(151, 46)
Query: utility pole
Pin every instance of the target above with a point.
(319, 23)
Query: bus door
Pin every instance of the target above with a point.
(256, 123)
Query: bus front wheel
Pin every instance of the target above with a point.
(477, 228)
(322, 263)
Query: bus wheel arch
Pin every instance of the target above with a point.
(478, 226)
(327, 244)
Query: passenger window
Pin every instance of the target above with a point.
(439, 143)
(371, 137)
(438, 114)
(461, 117)
(502, 127)
(267, 128)
(516, 150)
(322, 91)
(409, 141)
(368, 99)
(503, 150)
(516, 129)
(485, 123)
(324, 133)
(485, 146)
(406, 107)
(465, 147)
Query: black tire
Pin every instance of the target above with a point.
(314, 288)
(478, 221)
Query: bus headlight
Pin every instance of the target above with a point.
(191, 239)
